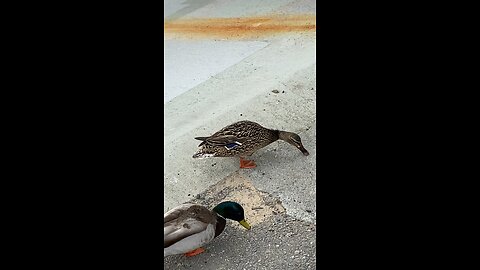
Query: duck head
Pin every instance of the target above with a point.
(294, 140)
(233, 211)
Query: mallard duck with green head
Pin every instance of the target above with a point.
(242, 139)
(188, 227)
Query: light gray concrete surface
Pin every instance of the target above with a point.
(241, 92)
(228, 8)
(198, 61)
(283, 171)
(278, 195)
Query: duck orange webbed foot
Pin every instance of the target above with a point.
(247, 164)
(194, 252)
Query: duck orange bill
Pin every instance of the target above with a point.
(304, 151)
(245, 224)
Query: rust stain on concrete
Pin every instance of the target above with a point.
(239, 28)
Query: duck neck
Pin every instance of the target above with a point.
(221, 222)
(275, 134)
(285, 135)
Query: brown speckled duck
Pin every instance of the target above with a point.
(242, 139)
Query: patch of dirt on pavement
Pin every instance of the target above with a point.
(258, 205)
